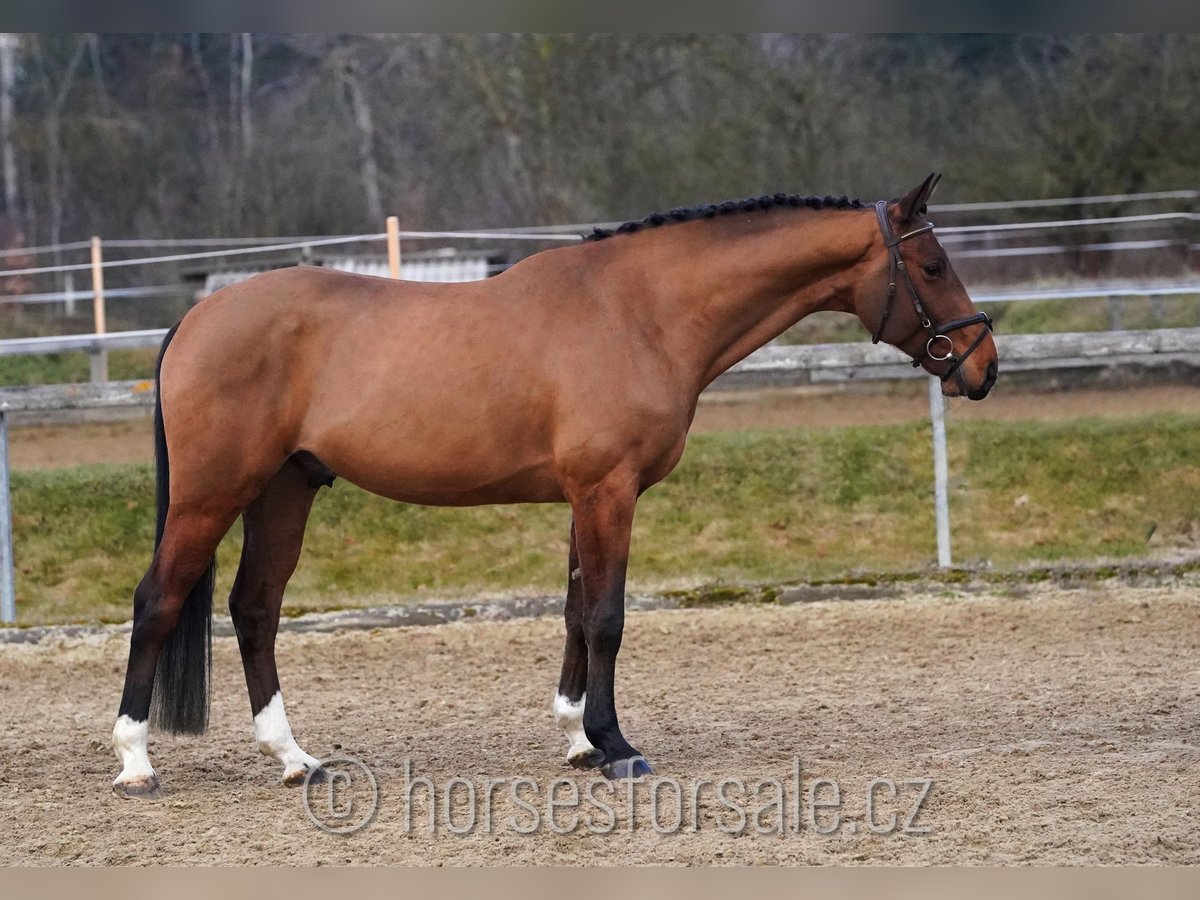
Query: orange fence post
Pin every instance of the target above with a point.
(99, 359)
(393, 246)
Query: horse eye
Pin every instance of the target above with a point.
(933, 270)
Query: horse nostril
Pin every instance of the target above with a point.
(985, 386)
(989, 378)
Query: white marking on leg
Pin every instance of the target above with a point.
(569, 716)
(130, 741)
(274, 736)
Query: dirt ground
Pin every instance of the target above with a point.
(55, 446)
(1056, 726)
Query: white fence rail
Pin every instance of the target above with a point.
(992, 205)
(840, 363)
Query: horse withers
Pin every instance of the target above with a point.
(572, 377)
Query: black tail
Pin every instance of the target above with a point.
(181, 685)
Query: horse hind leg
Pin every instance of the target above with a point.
(179, 575)
(273, 534)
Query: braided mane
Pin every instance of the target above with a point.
(764, 203)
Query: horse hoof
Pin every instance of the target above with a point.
(297, 778)
(630, 769)
(589, 759)
(143, 789)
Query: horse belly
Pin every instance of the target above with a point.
(453, 487)
(440, 462)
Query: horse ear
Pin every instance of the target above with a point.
(914, 203)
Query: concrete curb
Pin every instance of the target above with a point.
(505, 609)
(445, 612)
(408, 615)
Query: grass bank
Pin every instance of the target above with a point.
(744, 506)
(71, 368)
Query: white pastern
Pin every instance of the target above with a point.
(130, 740)
(569, 716)
(274, 736)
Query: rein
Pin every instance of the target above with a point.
(936, 332)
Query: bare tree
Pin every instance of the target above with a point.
(364, 121)
(246, 83)
(331, 132)
(56, 87)
(210, 106)
(8, 74)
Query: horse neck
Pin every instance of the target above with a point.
(734, 286)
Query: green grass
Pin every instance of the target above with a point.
(742, 507)
(68, 368)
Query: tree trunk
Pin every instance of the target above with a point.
(210, 106)
(8, 75)
(365, 123)
(247, 80)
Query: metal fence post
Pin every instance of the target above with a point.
(1114, 313)
(8, 597)
(941, 494)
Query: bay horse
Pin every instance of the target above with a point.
(571, 377)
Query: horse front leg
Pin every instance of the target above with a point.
(603, 522)
(571, 696)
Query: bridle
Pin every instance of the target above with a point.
(936, 332)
